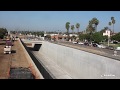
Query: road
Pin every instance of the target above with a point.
(16, 59)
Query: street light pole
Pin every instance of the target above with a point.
(108, 41)
(108, 34)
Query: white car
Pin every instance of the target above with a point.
(74, 42)
(7, 49)
(101, 46)
(80, 43)
(118, 48)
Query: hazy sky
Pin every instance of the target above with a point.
(55, 20)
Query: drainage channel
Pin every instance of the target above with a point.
(39, 65)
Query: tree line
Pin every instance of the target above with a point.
(38, 33)
(3, 32)
(91, 33)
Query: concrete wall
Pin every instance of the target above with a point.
(81, 64)
(33, 67)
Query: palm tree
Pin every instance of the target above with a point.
(72, 28)
(67, 26)
(113, 22)
(112, 18)
(90, 28)
(78, 26)
(90, 22)
(95, 21)
(109, 23)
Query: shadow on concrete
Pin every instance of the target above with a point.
(13, 51)
(31, 48)
(35, 48)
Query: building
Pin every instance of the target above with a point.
(107, 33)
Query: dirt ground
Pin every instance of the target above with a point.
(14, 60)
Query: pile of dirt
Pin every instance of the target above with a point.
(21, 73)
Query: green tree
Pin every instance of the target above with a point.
(112, 18)
(90, 29)
(3, 32)
(77, 26)
(72, 28)
(87, 37)
(97, 37)
(116, 37)
(113, 22)
(95, 21)
(67, 26)
(82, 37)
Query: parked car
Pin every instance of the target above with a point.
(9, 43)
(115, 42)
(94, 44)
(74, 42)
(101, 46)
(86, 43)
(7, 49)
(98, 45)
(80, 43)
(110, 47)
(118, 48)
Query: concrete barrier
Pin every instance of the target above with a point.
(81, 64)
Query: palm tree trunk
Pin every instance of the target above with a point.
(96, 28)
(67, 35)
(109, 28)
(68, 32)
(113, 28)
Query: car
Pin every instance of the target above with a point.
(86, 43)
(94, 44)
(9, 43)
(115, 42)
(74, 42)
(101, 46)
(110, 47)
(118, 48)
(80, 43)
(7, 49)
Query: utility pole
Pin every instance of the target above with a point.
(108, 33)
(108, 41)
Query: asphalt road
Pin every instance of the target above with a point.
(95, 48)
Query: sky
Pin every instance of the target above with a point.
(55, 20)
